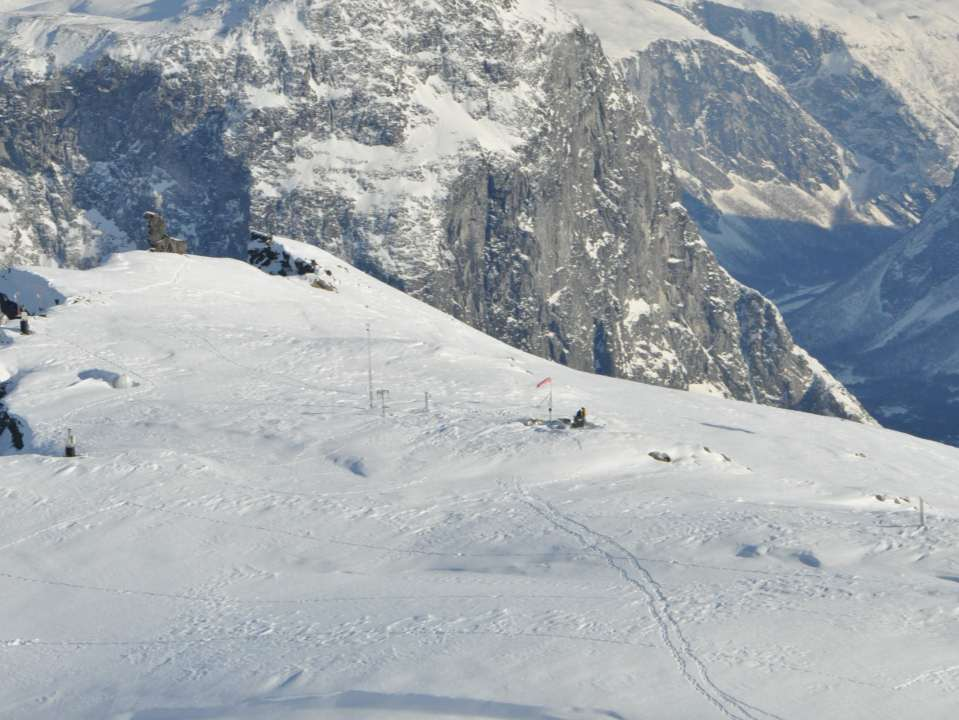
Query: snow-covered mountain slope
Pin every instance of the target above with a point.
(810, 134)
(485, 157)
(896, 322)
(242, 537)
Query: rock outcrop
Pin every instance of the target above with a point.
(158, 238)
(284, 257)
(11, 434)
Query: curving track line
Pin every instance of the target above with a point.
(619, 558)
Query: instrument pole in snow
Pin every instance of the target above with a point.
(551, 403)
(426, 399)
(369, 366)
(922, 513)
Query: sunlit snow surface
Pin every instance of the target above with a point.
(243, 537)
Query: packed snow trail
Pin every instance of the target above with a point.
(657, 603)
(242, 537)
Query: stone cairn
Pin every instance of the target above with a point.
(157, 235)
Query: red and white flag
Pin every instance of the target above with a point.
(545, 381)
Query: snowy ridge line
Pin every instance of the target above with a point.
(657, 604)
(172, 282)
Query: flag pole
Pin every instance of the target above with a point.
(541, 383)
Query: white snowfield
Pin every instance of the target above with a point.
(242, 537)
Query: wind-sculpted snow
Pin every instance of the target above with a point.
(485, 157)
(241, 536)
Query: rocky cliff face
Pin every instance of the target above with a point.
(800, 161)
(762, 177)
(483, 156)
(895, 165)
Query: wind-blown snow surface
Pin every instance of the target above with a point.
(243, 537)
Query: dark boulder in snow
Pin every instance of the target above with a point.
(279, 256)
(11, 433)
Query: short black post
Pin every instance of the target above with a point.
(71, 449)
(24, 325)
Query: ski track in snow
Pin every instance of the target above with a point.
(657, 604)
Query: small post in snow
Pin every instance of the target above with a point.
(383, 395)
(922, 513)
(24, 323)
(541, 384)
(71, 448)
(369, 359)
(426, 400)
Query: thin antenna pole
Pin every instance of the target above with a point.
(922, 513)
(551, 402)
(369, 358)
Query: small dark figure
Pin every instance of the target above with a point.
(24, 323)
(579, 419)
(71, 449)
(9, 307)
